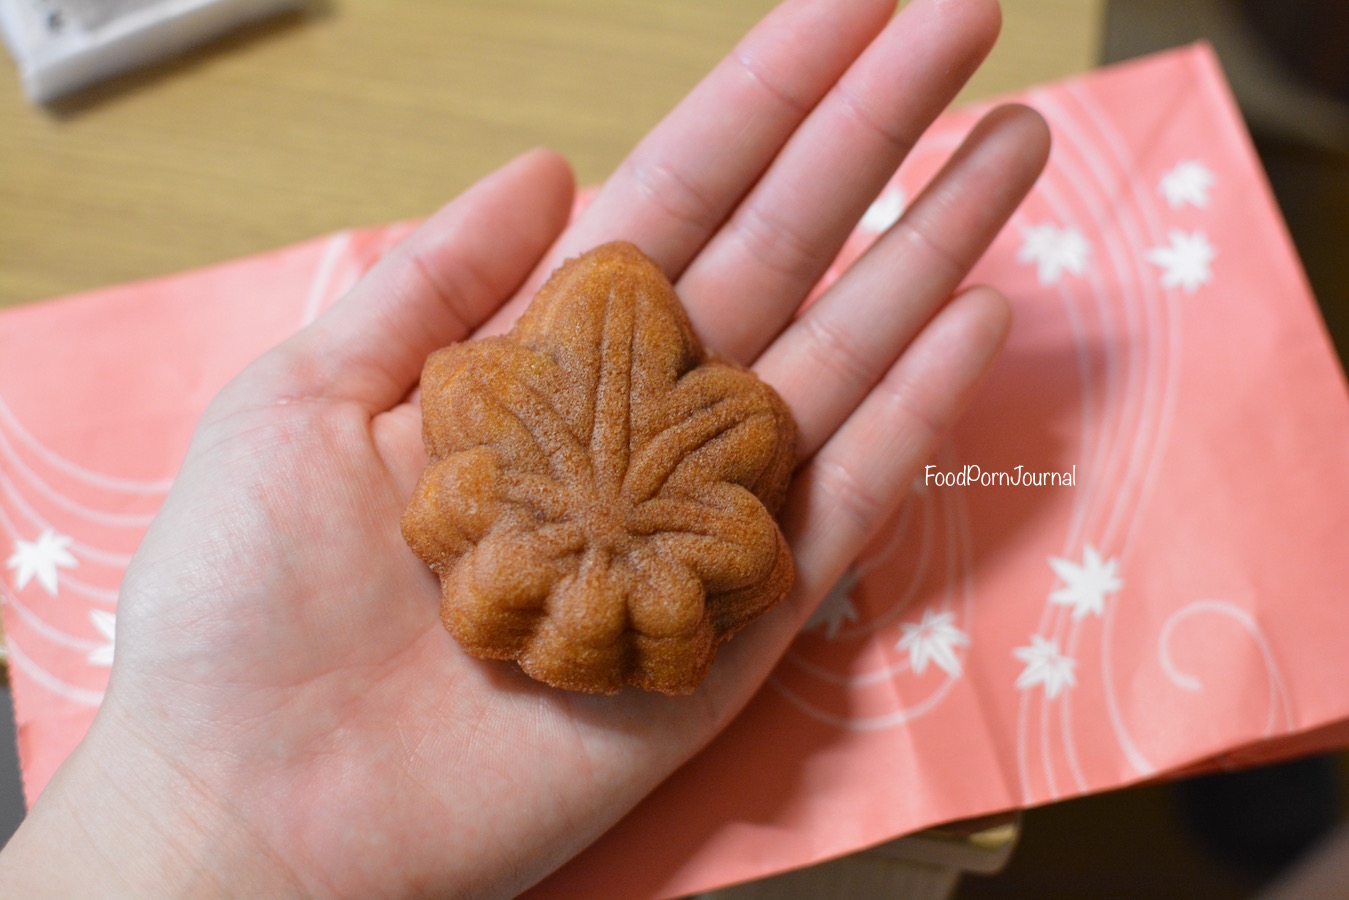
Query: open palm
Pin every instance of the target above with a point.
(298, 718)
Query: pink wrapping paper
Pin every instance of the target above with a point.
(1177, 605)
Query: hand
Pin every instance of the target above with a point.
(286, 713)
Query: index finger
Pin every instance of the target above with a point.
(683, 179)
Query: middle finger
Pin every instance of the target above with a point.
(825, 363)
(679, 184)
(756, 270)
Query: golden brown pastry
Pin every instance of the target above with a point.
(600, 495)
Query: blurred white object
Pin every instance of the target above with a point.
(63, 45)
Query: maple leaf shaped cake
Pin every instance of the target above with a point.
(600, 494)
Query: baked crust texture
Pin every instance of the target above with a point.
(600, 494)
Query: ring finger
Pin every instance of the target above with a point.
(824, 364)
(755, 271)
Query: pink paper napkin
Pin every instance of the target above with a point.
(1161, 591)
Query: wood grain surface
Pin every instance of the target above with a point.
(358, 112)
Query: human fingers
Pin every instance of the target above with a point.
(685, 176)
(434, 288)
(856, 480)
(754, 273)
(859, 477)
(825, 362)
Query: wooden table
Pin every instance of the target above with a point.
(362, 112)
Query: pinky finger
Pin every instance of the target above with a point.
(859, 477)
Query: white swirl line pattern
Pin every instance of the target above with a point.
(114, 520)
(1159, 422)
(78, 472)
(55, 635)
(959, 580)
(1097, 441)
(41, 676)
(1225, 608)
(860, 569)
(1132, 277)
(1114, 144)
(871, 562)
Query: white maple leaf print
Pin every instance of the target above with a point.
(1188, 182)
(1087, 585)
(41, 558)
(1185, 260)
(106, 623)
(1045, 665)
(884, 211)
(837, 608)
(1054, 251)
(934, 639)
